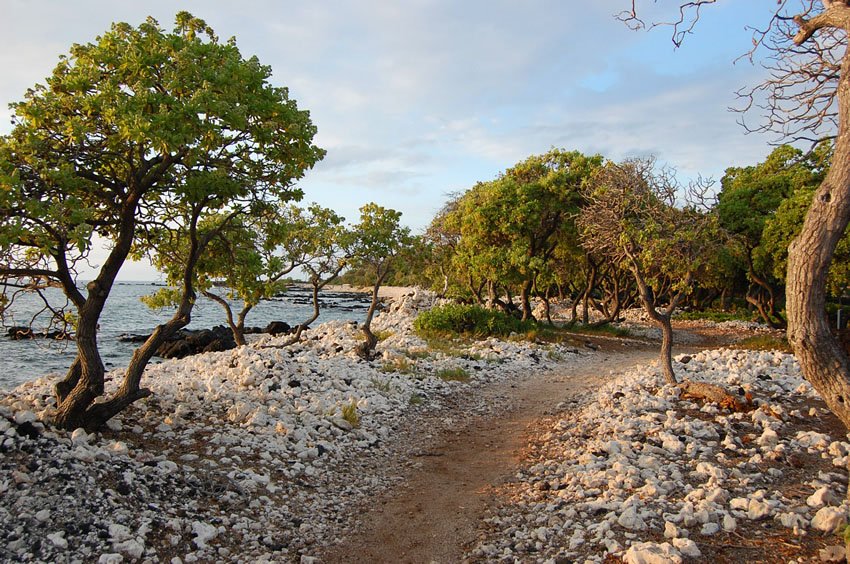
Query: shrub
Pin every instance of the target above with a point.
(453, 374)
(468, 320)
(349, 413)
(764, 343)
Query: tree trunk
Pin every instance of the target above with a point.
(364, 350)
(822, 359)
(304, 325)
(237, 329)
(525, 294)
(591, 283)
(665, 358)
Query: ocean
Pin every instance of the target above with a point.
(27, 359)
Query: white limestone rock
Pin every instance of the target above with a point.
(652, 553)
(829, 519)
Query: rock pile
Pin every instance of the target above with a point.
(647, 476)
(249, 455)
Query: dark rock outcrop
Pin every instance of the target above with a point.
(20, 332)
(185, 342)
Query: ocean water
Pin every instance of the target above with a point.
(27, 359)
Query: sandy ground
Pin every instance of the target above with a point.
(391, 292)
(434, 517)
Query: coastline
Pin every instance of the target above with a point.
(388, 292)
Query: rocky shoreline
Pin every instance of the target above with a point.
(265, 453)
(242, 455)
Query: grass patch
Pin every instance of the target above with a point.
(400, 365)
(383, 386)
(453, 374)
(764, 343)
(349, 413)
(383, 335)
(716, 316)
(417, 355)
(416, 399)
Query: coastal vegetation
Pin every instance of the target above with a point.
(141, 137)
(172, 146)
(600, 235)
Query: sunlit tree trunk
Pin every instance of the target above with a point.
(822, 359)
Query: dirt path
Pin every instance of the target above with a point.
(433, 519)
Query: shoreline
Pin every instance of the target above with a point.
(390, 292)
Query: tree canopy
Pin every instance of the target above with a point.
(135, 137)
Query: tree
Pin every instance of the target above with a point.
(321, 245)
(136, 137)
(806, 97)
(379, 241)
(748, 202)
(510, 227)
(630, 218)
(239, 261)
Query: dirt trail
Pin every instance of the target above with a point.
(433, 518)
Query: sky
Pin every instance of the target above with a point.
(417, 99)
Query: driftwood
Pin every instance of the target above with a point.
(716, 394)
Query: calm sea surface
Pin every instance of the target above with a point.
(31, 358)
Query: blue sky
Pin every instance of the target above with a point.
(417, 99)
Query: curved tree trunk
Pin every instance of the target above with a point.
(822, 359)
(525, 299)
(591, 284)
(364, 350)
(661, 318)
(306, 324)
(236, 328)
(84, 381)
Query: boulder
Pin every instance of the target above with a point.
(278, 328)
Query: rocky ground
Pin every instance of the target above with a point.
(266, 453)
(642, 474)
(255, 454)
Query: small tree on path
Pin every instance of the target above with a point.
(630, 218)
(379, 240)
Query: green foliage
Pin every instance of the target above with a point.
(473, 320)
(457, 374)
(506, 231)
(350, 414)
(764, 343)
(763, 206)
(416, 399)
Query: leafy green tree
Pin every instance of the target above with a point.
(239, 263)
(319, 242)
(749, 199)
(135, 137)
(379, 242)
(631, 219)
(510, 227)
